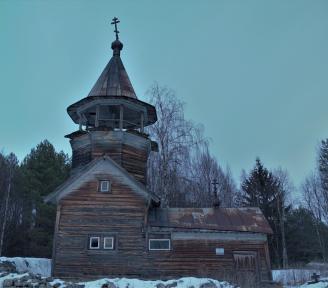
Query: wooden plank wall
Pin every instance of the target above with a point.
(87, 212)
(131, 154)
(198, 258)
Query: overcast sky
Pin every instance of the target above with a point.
(254, 73)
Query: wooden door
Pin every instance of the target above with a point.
(247, 269)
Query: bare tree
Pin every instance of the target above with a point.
(8, 164)
(183, 169)
(175, 137)
(284, 192)
(322, 167)
(313, 200)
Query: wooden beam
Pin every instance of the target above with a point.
(54, 245)
(121, 117)
(142, 123)
(97, 116)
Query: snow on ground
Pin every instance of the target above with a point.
(185, 282)
(43, 267)
(292, 276)
(323, 284)
(40, 266)
(295, 278)
(11, 276)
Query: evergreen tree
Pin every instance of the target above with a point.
(302, 244)
(43, 170)
(261, 188)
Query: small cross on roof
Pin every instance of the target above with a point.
(115, 21)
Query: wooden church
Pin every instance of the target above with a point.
(109, 225)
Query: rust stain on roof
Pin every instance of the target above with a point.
(220, 219)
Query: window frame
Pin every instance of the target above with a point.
(159, 239)
(113, 243)
(90, 241)
(101, 186)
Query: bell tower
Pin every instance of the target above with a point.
(111, 120)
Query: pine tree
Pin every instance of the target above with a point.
(261, 188)
(43, 170)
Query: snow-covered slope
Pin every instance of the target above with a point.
(43, 266)
(40, 266)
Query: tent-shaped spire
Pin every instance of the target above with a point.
(114, 81)
(112, 102)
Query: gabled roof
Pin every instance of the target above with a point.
(99, 165)
(218, 219)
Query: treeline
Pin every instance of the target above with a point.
(27, 223)
(184, 174)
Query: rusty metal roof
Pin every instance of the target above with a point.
(113, 81)
(219, 219)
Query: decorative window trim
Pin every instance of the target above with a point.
(90, 242)
(105, 189)
(113, 243)
(161, 249)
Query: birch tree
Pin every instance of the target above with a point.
(183, 170)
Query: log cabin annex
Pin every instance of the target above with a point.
(109, 225)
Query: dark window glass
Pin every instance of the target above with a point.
(94, 242)
(159, 244)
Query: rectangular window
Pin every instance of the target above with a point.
(104, 186)
(219, 251)
(159, 244)
(94, 242)
(109, 243)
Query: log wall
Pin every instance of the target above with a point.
(129, 150)
(121, 214)
(87, 212)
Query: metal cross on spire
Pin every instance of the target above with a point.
(215, 184)
(217, 201)
(115, 21)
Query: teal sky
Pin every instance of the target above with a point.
(253, 72)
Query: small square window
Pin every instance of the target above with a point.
(159, 244)
(104, 186)
(94, 243)
(109, 243)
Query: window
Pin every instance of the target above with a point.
(109, 243)
(159, 244)
(104, 186)
(219, 251)
(94, 243)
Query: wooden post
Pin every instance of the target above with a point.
(54, 244)
(97, 116)
(121, 117)
(142, 123)
(80, 123)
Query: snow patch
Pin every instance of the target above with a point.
(43, 267)
(185, 282)
(11, 276)
(40, 266)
